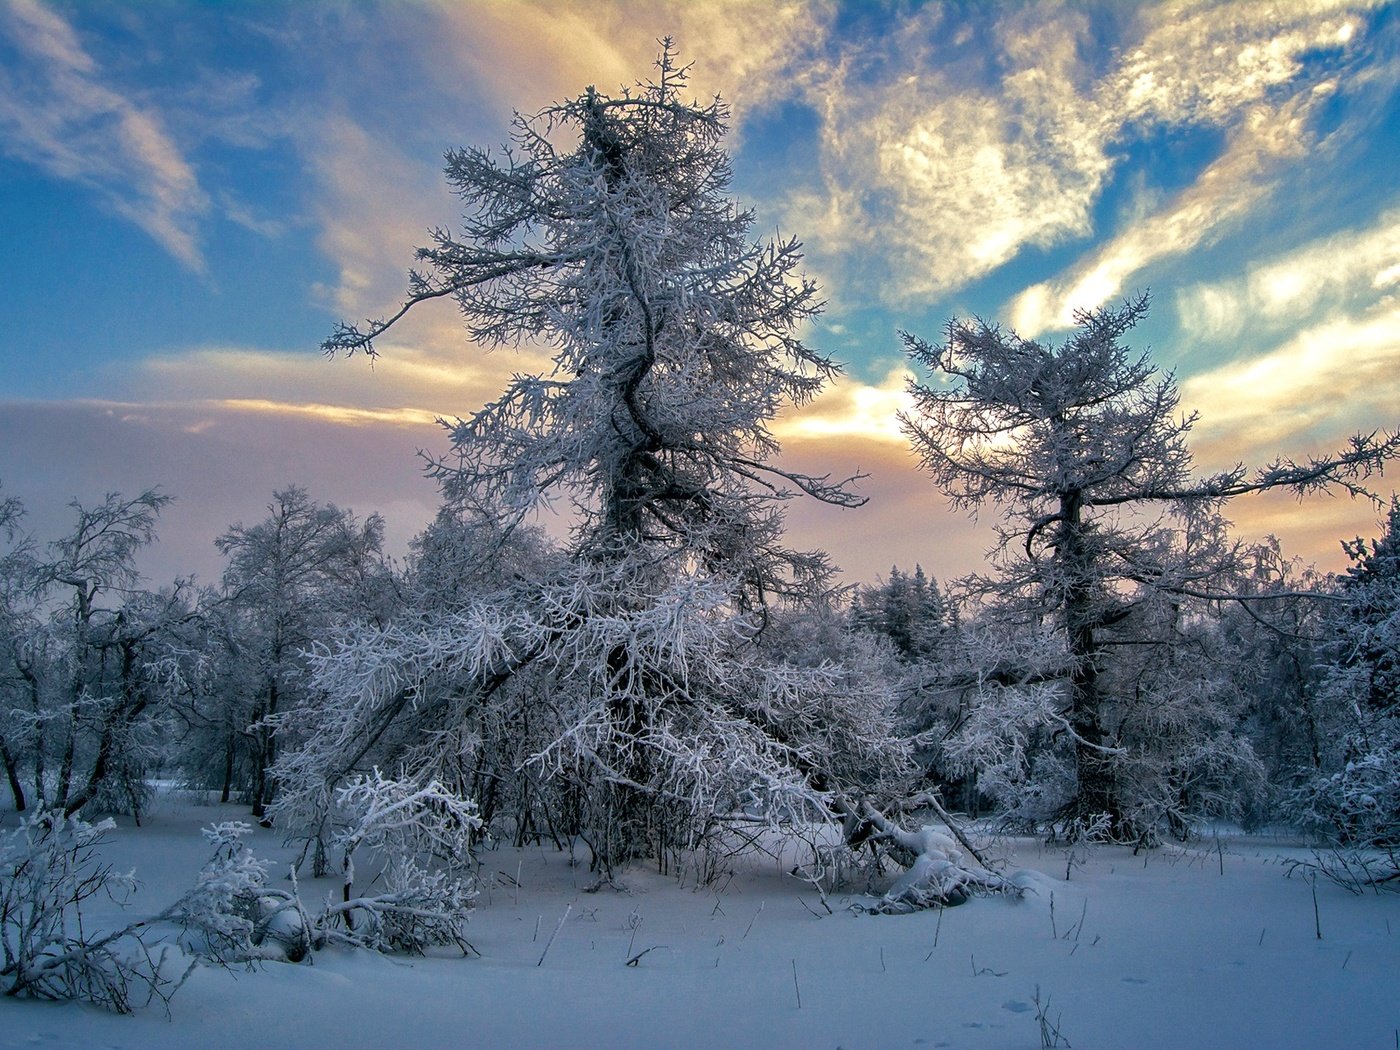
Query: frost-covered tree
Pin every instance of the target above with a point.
(644, 709)
(910, 611)
(305, 567)
(1353, 794)
(96, 665)
(18, 625)
(1083, 447)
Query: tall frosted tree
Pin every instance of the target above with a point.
(605, 233)
(1107, 536)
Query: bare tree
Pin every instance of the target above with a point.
(93, 669)
(18, 614)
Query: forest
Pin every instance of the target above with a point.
(656, 681)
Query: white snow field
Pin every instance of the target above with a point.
(1159, 950)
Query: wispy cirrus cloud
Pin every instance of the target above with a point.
(851, 409)
(540, 51)
(1222, 196)
(947, 153)
(1333, 377)
(1355, 267)
(59, 113)
(411, 381)
(376, 200)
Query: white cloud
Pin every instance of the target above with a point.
(373, 206)
(541, 51)
(942, 162)
(59, 114)
(1225, 192)
(1329, 272)
(851, 409)
(1326, 382)
(943, 173)
(408, 382)
(376, 197)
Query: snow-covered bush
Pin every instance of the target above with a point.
(49, 871)
(232, 914)
(414, 839)
(937, 871)
(420, 836)
(1358, 804)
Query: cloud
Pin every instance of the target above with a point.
(59, 114)
(221, 463)
(1360, 264)
(941, 168)
(851, 409)
(945, 156)
(373, 206)
(542, 51)
(407, 383)
(1220, 198)
(376, 199)
(1326, 382)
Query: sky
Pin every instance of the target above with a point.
(192, 194)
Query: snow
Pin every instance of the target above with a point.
(1150, 951)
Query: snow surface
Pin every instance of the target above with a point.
(1171, 953)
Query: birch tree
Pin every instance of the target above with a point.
(289, 578)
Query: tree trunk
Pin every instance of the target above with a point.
(32, 679)
(263, 756)
(12, 775)
(227, 790)
(1095, 793)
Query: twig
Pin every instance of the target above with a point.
(555, 934)
(638, 957)
(1049, 1032)
(795, 987)
(1317, 918)
(986, 969)
(936, 928)
(1079, 926)
(753, 920)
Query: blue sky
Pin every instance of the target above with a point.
(192, 193)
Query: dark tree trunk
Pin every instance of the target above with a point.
(12, 775)
(227, 789)
(1096, 792)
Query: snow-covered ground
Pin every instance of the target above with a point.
(1158, 950)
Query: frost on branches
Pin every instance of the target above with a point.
(615, 690)
(1353, 797)
(48, 872)
(1108, 537)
